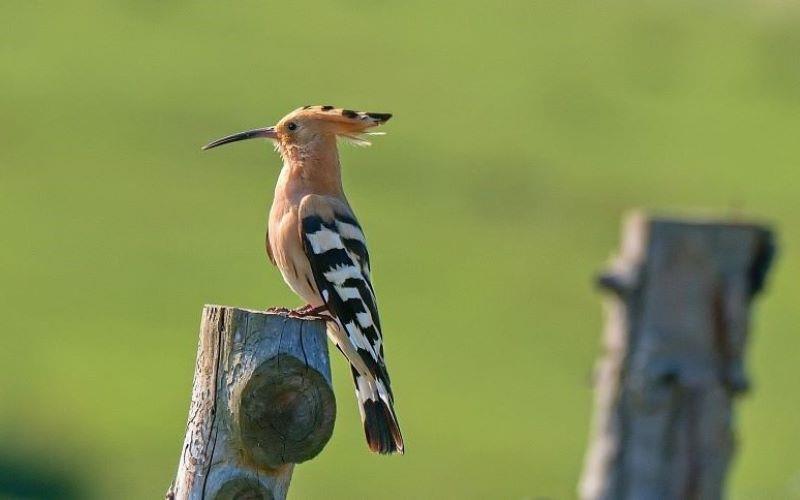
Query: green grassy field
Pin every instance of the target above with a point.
(522, 132)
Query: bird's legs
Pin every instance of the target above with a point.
(308, 309)
(306, 312)
(310, 312)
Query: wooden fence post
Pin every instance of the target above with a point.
(262, 401)
(677, 321)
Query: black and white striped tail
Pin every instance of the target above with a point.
(377, 414)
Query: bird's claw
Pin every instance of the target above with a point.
(278, 310)
(308, 312)
(310, 316)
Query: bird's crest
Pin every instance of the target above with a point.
(348, 124)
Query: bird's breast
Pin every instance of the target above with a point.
(289, 254)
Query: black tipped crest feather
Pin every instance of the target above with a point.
(381, 117)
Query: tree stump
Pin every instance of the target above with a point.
(262, 401)
(677, 322)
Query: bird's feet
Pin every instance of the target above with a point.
(310, 312)
(308, 309)
(278, 310)
(306, 312)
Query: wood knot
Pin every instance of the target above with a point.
(287, 412)
(243, 489)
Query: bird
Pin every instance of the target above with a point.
(319, 247)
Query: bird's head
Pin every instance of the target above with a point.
(310, 127)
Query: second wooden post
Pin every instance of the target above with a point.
(678, 318)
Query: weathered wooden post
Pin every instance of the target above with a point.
(677, 321)
(261, 402)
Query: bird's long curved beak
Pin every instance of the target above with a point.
(267, 132)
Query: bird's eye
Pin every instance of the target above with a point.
(291, 126)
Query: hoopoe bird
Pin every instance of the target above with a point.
(316, 242)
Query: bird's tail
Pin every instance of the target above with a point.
(377, 414)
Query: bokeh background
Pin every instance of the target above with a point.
(523, 131)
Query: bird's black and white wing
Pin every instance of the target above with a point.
(336, 249)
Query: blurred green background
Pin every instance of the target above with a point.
(523, 131)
